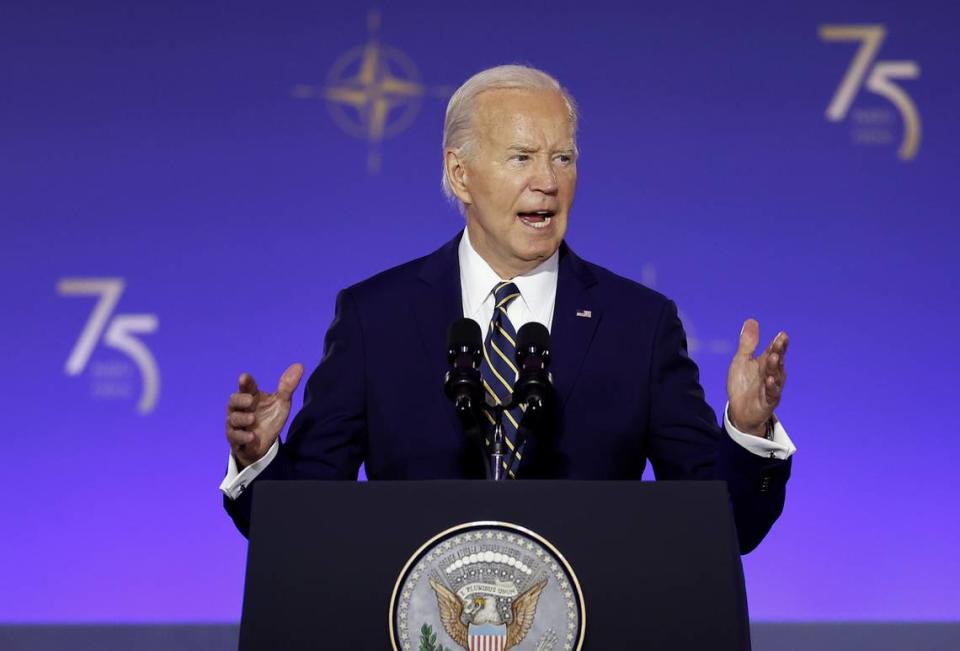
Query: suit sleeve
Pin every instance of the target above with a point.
(687, 442)
(328, 437)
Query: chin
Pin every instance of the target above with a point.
(539, 251)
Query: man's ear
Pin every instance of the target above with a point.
(455, 167)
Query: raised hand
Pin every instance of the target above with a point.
(255, 418)
(755, 384)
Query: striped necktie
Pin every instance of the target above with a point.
(499, 371)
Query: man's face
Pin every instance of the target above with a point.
(519, 179)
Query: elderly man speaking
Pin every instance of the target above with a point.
(626, 389)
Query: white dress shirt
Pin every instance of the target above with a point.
(538, 292)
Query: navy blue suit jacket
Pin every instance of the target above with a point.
(627, 392)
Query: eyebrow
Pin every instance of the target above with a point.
(529, 149)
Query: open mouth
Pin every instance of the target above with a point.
(537, 219)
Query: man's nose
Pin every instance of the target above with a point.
(544, 178)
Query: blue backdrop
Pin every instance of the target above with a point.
(210, 174)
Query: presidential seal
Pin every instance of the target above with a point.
(487, 586)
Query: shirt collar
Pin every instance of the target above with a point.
(537, 287)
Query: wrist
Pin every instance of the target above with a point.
(764, 430)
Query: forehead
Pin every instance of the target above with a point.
(507, 115)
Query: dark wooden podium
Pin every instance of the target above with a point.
(657, 561)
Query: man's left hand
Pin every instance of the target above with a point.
(755, 384)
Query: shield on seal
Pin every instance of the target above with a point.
(487, 637)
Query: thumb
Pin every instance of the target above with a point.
(749, 338)
(289, 381)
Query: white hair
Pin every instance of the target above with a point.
(458, 124)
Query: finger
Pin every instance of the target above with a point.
(289, 381)
(772, 363)
(749, 338)
(772, 390)
(241, 402)
(777, 344)
(775, 381)
(248, 384)
(772, 367)
(775, 360)
(240, 419)
(238, 437)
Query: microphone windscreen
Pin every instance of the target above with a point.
(533, 335)
(465, 333)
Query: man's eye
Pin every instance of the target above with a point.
(521, 157)
(566, 159)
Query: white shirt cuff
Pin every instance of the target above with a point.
(237, 481)
(781, 447)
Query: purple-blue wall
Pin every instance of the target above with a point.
(188, 149)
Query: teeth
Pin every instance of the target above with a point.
(539, 225)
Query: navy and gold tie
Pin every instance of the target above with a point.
(499, 371)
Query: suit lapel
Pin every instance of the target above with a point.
(576, 315)
(438, 303)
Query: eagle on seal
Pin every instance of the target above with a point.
(459, 615)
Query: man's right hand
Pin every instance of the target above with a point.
(255, 418)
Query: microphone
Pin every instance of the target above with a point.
(463, 386)
(462, 382)
(534, 385)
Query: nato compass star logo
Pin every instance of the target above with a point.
(373, 92)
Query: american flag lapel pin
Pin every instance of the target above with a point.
(586, 314)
